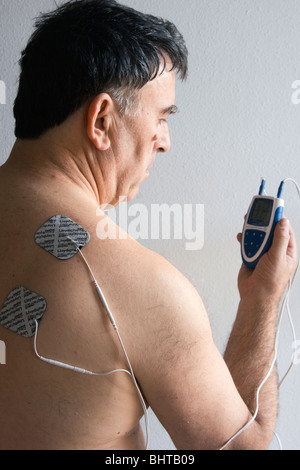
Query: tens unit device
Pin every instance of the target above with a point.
(263, 214)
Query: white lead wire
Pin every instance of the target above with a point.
(101, 374)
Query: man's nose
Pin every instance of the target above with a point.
(163, 143)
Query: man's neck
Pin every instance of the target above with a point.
(45, 160)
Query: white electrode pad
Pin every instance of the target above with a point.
(21, 310)
(61, 237)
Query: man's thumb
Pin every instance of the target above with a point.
(281, 239)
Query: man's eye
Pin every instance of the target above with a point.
(162, 121)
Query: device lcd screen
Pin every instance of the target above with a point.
(261, 212)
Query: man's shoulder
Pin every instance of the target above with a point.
(145, 283)
(133, 259)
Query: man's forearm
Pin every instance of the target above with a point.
(249, 355)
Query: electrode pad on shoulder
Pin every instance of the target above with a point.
(61, 237)
(21, 310)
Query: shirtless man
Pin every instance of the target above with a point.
(87, 133)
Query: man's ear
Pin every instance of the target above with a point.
(99, 119)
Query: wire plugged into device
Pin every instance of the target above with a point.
(262, 187)
(284, 304)
(280, 190)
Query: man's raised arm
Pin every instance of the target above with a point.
(201, 399)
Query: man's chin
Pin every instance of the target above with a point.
(133, 192)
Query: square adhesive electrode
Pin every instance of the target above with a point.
(20, 311)
(61, 237)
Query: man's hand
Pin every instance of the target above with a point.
(274, 269)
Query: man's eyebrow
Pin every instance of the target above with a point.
(170, 110)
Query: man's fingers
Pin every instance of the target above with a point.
(292, 246)
(281, 239)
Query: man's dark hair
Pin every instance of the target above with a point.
(87, 47)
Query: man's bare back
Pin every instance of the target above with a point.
(42, 406)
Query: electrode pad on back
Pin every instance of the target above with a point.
(21, 310)
(61, 237)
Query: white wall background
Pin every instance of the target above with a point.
(236, 123)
